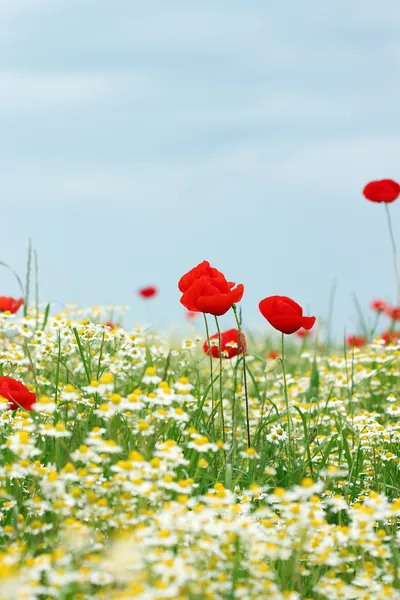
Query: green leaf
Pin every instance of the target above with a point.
(82, 354)
(46, 316)
(313, 390)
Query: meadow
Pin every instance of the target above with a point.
(228, 466)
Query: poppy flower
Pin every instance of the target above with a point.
(284, 314)
(390, 337)
(16, 393)
(111, 325)
(148, 292)
(393, 312)
(384, 190)
(213, 295)
(303, 333)
(191, 315)
(11, 305)
(356, 341)
(273, 354)
(379, 305)
(202, 270)
(229, 344)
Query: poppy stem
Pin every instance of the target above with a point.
(285, 391)
(394, 250)
(242, 351)
(234, 412)
(221, 391)
(211, 375)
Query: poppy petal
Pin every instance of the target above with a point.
(217, 304)
(308, 322)
(237, 293)
(288, 301)
(203, 269)
(186, 280)
(286, 322)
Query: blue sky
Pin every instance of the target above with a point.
(138, 138)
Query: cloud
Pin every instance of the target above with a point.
(336, 168)
(11, 8)
(332, 163)
(30, 91)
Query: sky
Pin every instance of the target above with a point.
(140, 138)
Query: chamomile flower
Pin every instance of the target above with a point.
(45, 404)
(151, 377)
(277, 435)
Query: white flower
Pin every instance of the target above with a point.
(57, 431)
(277, 435)
(393, 409)
(201, 443)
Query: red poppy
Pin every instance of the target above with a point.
(148, 292)
(284, 314)
(379, 305)
(11, 305)
(393, 312)
(202, 270)
(16, 393)
(191, 315)
(384, 190)
(356, 341)
(211, 295)
(273, 355)
(303, 333)
(111, 325)
(390, 337)
(229, 344)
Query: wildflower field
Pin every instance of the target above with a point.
(221, 467)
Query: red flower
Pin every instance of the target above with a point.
(229, 344)
(211, 295)
(390, 337)
(16, 393)
(202, 270)
(11, 305)
(191, 315)
(393, 312)
(111, 325)
(379, 305)
(356, 341)
(205, 289)
(302, 333)
(384, 190)
(148, 292)
(273, 354)
(284, 314)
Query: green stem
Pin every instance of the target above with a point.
(264, 400)
(221, 391)
(28, 278)
(330, 314)
(241, 348)
(285, 391)
(211, 376)
(36, 288)
(234, 414)
(394, 250)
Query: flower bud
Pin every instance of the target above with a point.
(271, 366)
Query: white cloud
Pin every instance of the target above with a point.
(336, 168)
(33, 91)
(335, 164)
(16, 7)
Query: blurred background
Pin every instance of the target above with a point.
(139, 138)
